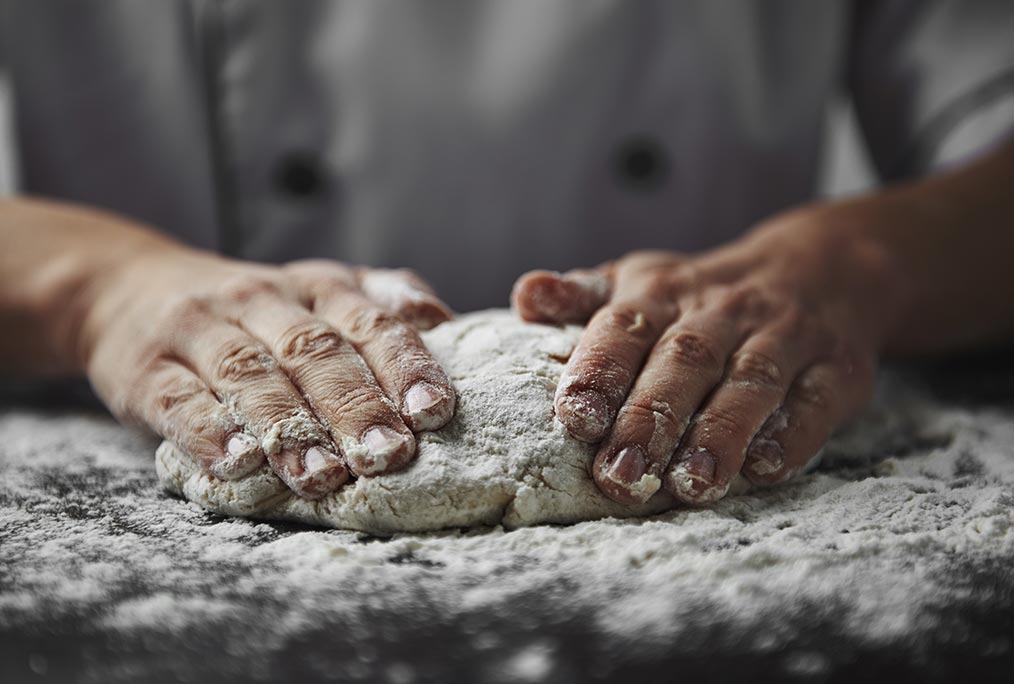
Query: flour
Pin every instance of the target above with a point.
(503, 459)
(901, 541)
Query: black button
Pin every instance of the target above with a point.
(642, 163)
(299, 174)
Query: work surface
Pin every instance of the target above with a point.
(896, 556)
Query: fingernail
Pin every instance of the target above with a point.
(630, 471)
(382, 449)
(700, 465)
(628, 467)
(322, 471)
(585, 414)
(423, 407)
(242, 456)
(317, 459)
(765, 456)
(693, 478)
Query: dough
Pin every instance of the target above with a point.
(503, 459)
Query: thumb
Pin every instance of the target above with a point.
(571, 297)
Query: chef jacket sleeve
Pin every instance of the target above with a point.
(932, 80)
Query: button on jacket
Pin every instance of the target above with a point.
(473, 140)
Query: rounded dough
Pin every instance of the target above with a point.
(503, 459)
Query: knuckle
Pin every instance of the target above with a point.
(368, 321)
(241, 363)
(630, 318)
(357, 400)
(311, 340)
(795, 322)
(815, 393)
(181, 308)
(246, 287)
(324, 273)
(690, 349)
(756, 369)
(176, 394)
(744, 302)
(660, 287)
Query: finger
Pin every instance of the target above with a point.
(181, 408)
(822, 398)
(343, 392)
(406, 294)
(756, 380)
(609, 354)
(247, 380)
(683, 368)
(394, 351)
(571, 297)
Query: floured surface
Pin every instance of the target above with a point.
(503, 458)
(896, 553)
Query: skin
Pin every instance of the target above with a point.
(743, 360)
(315, 366)
(693, 368)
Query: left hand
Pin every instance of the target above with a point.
(695, 368)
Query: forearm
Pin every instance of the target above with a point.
(53, 258)
(930, 260)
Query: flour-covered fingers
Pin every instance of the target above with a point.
(609, 355)
(756, 379)
(177, 404)
(684, 366)
(388, 344)
(331, 375)
(406, 294)
(571, 297)
(393, 350)
(823, 396)
(241, 371)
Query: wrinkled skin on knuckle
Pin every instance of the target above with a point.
(634, 318)
(307, 343)
(173, 395)
(241, 364)
(360, 404)
(690, 349)
(367, 322)
(746, 302)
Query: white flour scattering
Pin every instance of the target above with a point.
(902, 542)
(503, 459)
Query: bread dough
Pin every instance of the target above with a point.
(503, 458)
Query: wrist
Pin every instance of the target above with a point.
(839, 256)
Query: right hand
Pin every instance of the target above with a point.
(316, 366)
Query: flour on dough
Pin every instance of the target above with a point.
(503, 459)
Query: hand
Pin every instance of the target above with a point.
(314, 365)
(694, 369)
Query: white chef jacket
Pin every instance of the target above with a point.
(475, 139)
